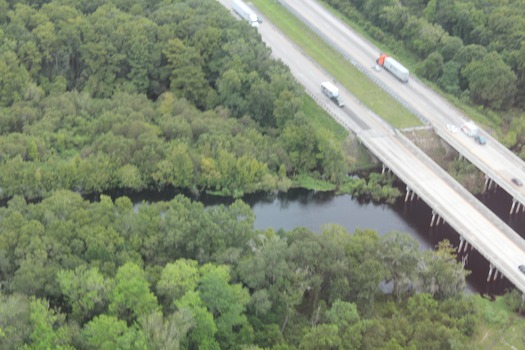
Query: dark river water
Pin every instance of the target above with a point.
(312, 210)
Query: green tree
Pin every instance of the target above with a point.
(108, 332)
(321, 337)
(131, 297)
(86, 291)
(48, 328)
(169, 333)
(491, 82)
(225, 302)
(400, 256)
(14, 321)
(187, 78)
(351, 328)
(13, 78)
(432, 67)
(449, 80)
(177, 279)
(202, 334)
(440, 274)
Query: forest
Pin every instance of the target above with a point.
(176, 275)
(471, 49)
(97, 96)
(136, 95)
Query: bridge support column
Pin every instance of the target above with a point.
(383, 169)
(434, 217)
(487, 183)
(466, 247)
(412, 196)
(514, 201)
(491, 267)
(461, 241)
(408, 194)
(495, 275)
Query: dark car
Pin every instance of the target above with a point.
(517, 181)
(522, 268)
(480, 140)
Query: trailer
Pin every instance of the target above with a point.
(394, 67)
(331, 91)
(246, 13)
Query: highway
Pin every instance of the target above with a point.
(493, 159)
(490, 236)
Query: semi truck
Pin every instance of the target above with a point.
(394, 67)
(246, 13)
(332, 92)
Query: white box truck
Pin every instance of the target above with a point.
(394, 67)
(332, 92)
(246, 13)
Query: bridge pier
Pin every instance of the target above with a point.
(495, 275)
(491, 267)
(488, 182)
(383, 169)
(410, 194)
(516, 204)
(466, 247)
(461, 241)
(436, 217)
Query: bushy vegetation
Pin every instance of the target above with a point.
(172, 275)
(138, 95)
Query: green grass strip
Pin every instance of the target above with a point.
(347, 75)
(321, 120)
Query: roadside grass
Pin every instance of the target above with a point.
(499, 328)
(321, 120)
(346, 74)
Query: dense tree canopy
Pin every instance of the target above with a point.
(135, 95)
(105, 275)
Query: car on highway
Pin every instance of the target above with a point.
(452, 128)
(517, 181)
(522, 268)
(480, 140)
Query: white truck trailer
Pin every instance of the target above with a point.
(246, 13)
(394, 67)
(332, 92)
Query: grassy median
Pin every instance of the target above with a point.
(347, 75)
